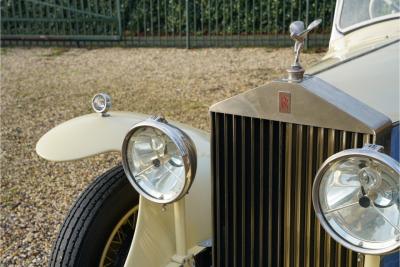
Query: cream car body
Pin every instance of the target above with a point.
(155, 239)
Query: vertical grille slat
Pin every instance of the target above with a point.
(262, 176)
(318, 160)
(252, 192)
(298, 197)
(244, 196)
(278, 193)
(235, 141)
(309, 209)
(227, 187)
(219, 196)
(288, 194)
(262, 220)
(270, 188)
(214, 193)
(329, 256)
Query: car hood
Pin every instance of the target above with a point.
(372, 76)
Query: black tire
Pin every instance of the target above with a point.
(92, 219)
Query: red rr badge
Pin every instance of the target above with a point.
(285, 102)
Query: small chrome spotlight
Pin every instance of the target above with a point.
(101, 103)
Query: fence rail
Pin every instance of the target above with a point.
(175, 23)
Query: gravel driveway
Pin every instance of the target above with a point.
(41, 88)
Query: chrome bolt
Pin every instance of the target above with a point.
(159, 118)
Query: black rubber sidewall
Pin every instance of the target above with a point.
(92, 219)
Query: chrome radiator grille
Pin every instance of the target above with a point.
(262, 175)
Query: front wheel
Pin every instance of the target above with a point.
(99, 228)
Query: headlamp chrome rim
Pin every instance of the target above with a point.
(358, 152)
(183, 143)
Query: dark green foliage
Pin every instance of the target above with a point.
(220, 16)
(113, 19)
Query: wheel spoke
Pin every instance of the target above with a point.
(122, 231)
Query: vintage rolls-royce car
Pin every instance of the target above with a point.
(303, 171)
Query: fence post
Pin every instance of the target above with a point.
(307, 11)
(118, 11)
(187, 25)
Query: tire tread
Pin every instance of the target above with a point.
(66, 247)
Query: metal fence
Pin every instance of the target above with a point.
(172, 23)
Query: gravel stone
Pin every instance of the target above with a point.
(42, 87)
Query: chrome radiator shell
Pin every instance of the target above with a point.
(263, 167)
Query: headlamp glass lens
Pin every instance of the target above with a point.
(99, 103)
(359, 197)
(156, 163)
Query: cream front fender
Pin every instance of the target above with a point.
(154, 240)
(93, 134)
(86, 136)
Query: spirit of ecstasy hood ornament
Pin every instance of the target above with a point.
(299, 34)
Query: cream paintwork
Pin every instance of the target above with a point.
(86, 136)
(376, 84)
(154, 240)
(93, 134)
(372, 78)
(363, 39)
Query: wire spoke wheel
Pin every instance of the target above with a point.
(99, 227)
(118, 243)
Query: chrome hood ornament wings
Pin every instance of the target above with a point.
(299, 35)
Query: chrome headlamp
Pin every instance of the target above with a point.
(356, 198)
(101, 103)
(159, 160)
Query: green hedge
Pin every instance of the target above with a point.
(159, 17)
(218, 17)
